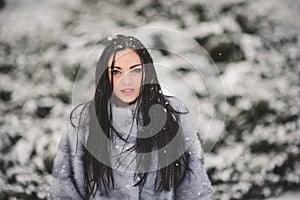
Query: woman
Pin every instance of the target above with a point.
(130, 141)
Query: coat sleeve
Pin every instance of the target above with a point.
(197, 185)
(67, 176)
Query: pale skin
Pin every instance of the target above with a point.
(127, 76)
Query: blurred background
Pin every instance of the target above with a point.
(253, 145)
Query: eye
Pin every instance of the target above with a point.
(115, 72)
(137, 70)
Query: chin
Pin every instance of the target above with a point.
(125, 101)
(129, 100)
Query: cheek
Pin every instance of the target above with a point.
(115, 83)
(140, 79)
(137, 81)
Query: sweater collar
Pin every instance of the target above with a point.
(123, 119)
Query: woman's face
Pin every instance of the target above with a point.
(127, 75)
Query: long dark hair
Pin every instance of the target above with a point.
(98, 172)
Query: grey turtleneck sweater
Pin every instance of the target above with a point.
(68, 177)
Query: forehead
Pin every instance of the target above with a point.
(125, 58)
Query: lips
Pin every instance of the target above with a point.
(127, 91)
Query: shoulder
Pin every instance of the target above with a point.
(176, 103)
(79, 115)
(74, 133)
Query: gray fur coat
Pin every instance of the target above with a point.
(68, 180)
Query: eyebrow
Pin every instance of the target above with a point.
(133, 66)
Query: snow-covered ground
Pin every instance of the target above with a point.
(287, 196)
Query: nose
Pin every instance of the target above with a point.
(127, 79)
